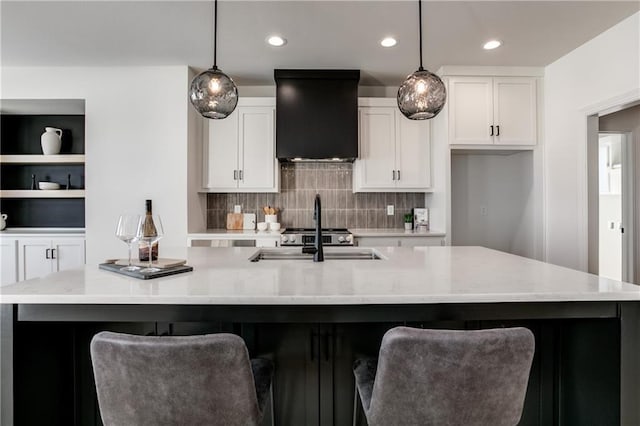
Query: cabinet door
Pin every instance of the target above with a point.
(256, 148)
(377, 242)
(413, 153)
(515, 110)
(34, 258)
(68, 253)
(470, 110)
(221, 153)
(9, 261)
(376, 164)
(420, 241)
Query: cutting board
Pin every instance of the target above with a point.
(235, 221)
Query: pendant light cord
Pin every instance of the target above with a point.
(215, 32)
(420, 25)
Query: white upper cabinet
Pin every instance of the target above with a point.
(239, 151)
(492, 110)
(395, 152)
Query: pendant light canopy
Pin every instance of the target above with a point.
(213, 93)
(422, 95)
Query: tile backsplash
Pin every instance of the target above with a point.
(341, 208)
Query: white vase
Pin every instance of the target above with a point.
(408, 226)
(51, 140)
(3, 221)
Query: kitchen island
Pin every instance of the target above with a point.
(314, 318)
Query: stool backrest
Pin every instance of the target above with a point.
(190, 380)
(447, 377)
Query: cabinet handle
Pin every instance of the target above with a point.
(398, 174)
(240, 174)
(498, 130)
(491, 131)
(393, 172)
(46, 254)
(53, 253)
(235, 175)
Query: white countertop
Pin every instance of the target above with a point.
(408, 275)
(34, 232)
(393, 232)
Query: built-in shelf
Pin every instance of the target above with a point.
(28, 193)
(42, 159)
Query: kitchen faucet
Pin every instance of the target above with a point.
(318, 254)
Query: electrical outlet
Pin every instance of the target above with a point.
(237, 208)
(483, 210)
(390, 210)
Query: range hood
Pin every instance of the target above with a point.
(317, 115)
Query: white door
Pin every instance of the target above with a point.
(514, 110)
(471, 110)
(68, 253)
(413, 153)
(9, 261)
(256, 148)
(34, 258)
(221, 153)
(376, 165)
(615, 206)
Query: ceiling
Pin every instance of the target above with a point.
(320, 34)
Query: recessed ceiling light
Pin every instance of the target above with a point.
(276, 41)
(492, 44)
(388, 42)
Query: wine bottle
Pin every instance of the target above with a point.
(149, 230)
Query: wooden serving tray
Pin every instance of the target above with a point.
(146, 275)
(160, 263)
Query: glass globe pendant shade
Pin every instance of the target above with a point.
(213, 94)
(422, 95)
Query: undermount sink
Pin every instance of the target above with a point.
(330, 253)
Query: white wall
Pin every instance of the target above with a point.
(492, 201)
(136, 143)
(604, 68)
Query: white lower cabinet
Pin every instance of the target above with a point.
(9, 261)
(399, 241)
(41, 256)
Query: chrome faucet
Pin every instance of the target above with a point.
(318, 254)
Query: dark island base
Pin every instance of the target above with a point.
(582, 373)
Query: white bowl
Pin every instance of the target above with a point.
(262, 226)
(274, 226)
(48, 185)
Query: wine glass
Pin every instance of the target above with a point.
(126, 231)
(149, 231)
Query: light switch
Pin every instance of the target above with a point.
(390, 210)
(237, 208)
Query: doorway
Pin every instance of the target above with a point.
(615, 206)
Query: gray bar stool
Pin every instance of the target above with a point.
(185, 380)
(446, 377)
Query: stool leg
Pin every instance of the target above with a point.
(273, 414)
(355, 406)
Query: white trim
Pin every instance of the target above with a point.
(606, 106)
(613, 104)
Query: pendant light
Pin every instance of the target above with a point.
(422, 95)
(213, 93)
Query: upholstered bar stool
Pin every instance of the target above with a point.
(446, 377)
(186, 380)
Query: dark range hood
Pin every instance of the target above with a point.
(317, 114)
